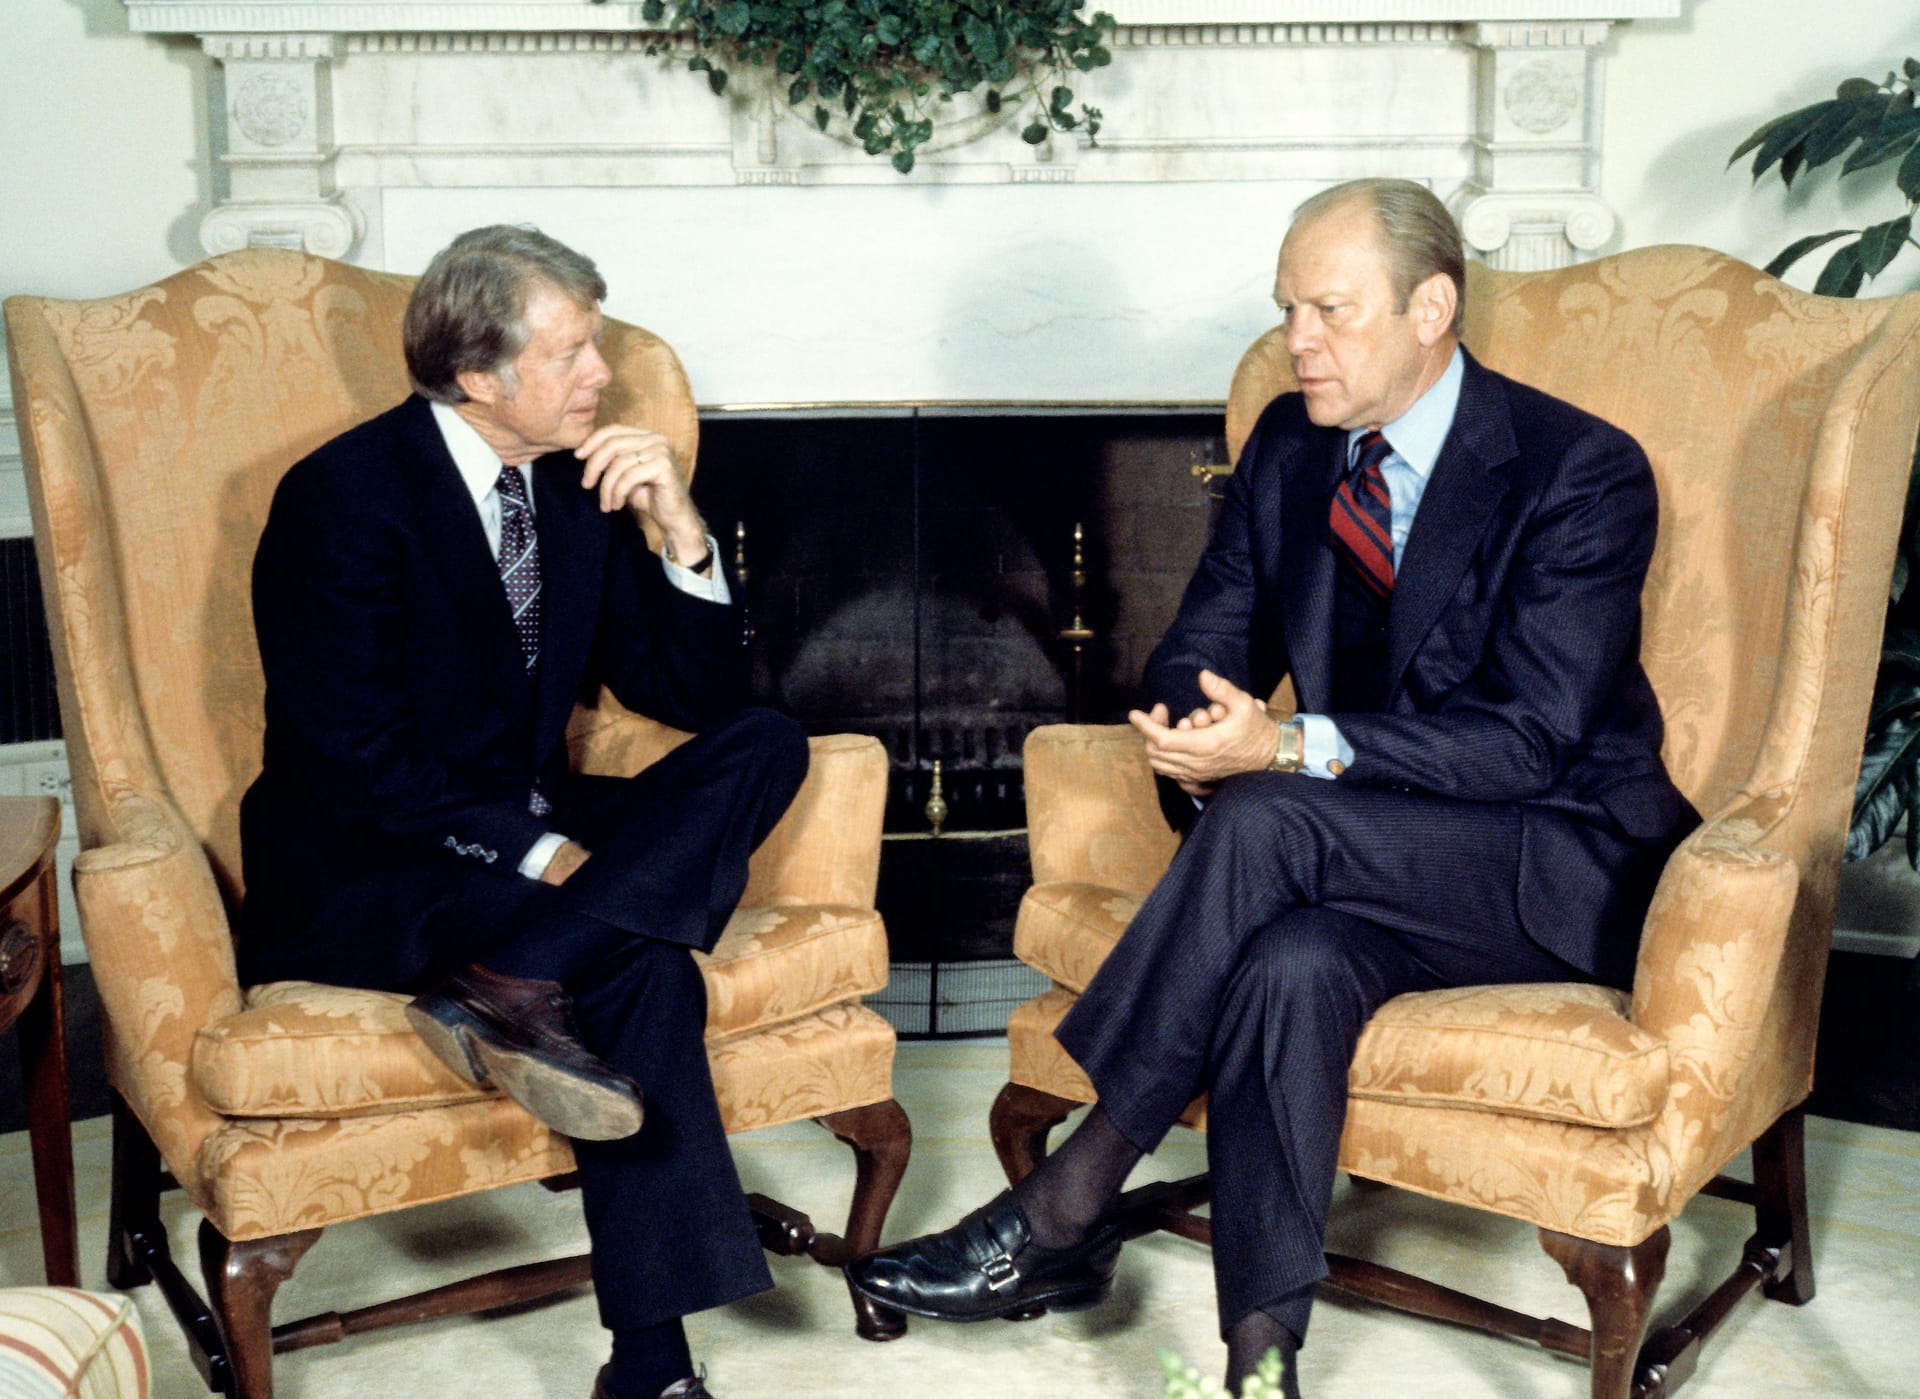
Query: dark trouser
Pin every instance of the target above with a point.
(665, 1211)
(1293, 910)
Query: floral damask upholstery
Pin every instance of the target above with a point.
(156, 426)
(1780, 427)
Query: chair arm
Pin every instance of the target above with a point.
(1709, 960)
(1092, 813)
(161, 953)
(826, 849)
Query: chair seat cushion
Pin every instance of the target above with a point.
(300, 1049)
(1559, 1052)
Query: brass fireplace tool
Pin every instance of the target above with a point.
(1078, 632)
(936, 807)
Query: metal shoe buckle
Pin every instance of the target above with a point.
(1000, 1272)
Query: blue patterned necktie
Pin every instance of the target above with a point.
(1362, 517)
(520, 572)
(520, 561)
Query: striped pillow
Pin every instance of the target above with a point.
(62, 1343)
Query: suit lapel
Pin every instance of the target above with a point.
(1466, 486)
(457, 544)
(1307, 564)
(573, 550)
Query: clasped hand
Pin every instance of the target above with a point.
(1233, 733)
(634, 467)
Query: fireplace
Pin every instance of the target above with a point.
(910, 575)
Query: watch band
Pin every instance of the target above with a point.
(1291, 754)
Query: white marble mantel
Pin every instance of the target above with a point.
(789, 267)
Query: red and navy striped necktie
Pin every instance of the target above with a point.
(1362, 516)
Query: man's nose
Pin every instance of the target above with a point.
(1301, 334)
(599, 375)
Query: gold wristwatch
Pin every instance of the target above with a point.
(1292, 752)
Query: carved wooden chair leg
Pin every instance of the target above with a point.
(1780, 1204)
(1618, 1283)
(882, 1140)
(1020, 1122)
(133, 1212)
(241, 1279)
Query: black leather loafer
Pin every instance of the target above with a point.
(517, 1034)
(988, 1265)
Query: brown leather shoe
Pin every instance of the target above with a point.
(693, 1388)
(517, 1034)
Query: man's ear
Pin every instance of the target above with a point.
(1433, 304)
(481, 386)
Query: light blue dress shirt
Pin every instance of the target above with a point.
(1416, 437)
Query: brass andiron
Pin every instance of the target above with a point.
(1077, 632)
(740, 570)
(936, 807)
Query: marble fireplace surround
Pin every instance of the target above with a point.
(790, 269)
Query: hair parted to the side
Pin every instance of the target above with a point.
(1422, 240)
(468, 310)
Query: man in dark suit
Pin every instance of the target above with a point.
(433, 591)
(1449, 565)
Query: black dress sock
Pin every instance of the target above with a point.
(647, 1359)
(1248, 1342)
(1067, 1192)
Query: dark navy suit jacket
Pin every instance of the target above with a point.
(1513, 640)
(404, 735)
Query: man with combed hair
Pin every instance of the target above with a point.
(1448, 564)
(433, 591)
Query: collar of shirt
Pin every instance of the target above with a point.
(1417, 435)
(478, 464)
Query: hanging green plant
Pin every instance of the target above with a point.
(888, 64)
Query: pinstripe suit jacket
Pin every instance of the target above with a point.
(1513, 639)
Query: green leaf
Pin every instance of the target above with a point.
(927, 49)
(1880, 244)
(821, 116)
(799, 92)
(903, 162)
(890, 32)
(1800, 247)
(1908, 178)
(733, 16)
(1854, 89)
(653, 11)
(1798, 120)
(1912, 69)
(993, 99)
(1035, 133)
(1840, 128)
(717, 80)
(1878, 147)
(1062, 99)
(699, 63)
(1842, 275)
(1888, 765)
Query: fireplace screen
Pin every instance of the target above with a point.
(910, 575)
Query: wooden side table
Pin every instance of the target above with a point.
(30, 992)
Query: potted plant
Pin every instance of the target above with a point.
(883, 68)
(1876, 128)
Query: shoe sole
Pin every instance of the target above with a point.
(570, 1104)
(449, 1032)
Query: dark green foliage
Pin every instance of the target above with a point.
(889, 61)
(1874, 125)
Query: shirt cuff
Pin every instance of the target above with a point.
(1323, 745)
(713, 587)
(535, 863)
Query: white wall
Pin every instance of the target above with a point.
(1682, 93)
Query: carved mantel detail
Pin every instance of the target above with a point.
(331, 104)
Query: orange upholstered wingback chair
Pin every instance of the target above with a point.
(1781, 428)
(155, 427)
